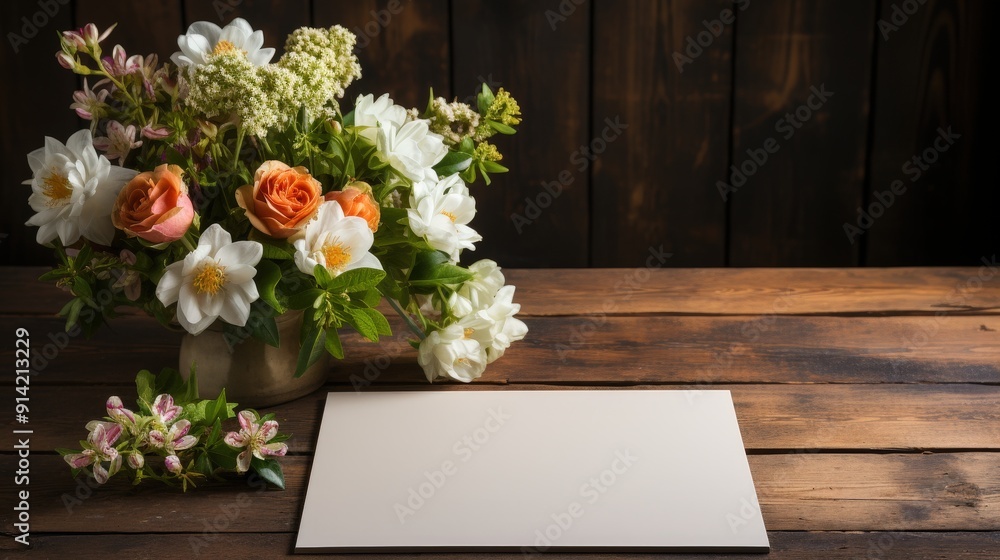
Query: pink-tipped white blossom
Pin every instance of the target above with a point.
(99, 448)
(254, 438)
(120, 140)
(120, 64)
(173, 464)
(90, 105)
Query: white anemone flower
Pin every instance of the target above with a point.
(440, 213)
(339, 243)
(74, 191)
(412, 149)
(204, 38)
(453, 351)
(215, 280)
(370, 112)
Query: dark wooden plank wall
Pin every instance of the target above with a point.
(646, 122)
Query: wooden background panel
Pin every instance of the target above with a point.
(790, 209)
(514, 45)
(160, 39)
(932, 75)
(654, 184)
(276, 18)
(403, 46)
(37, 93)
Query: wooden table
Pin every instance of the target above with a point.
(868, 401)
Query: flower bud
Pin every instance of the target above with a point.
(173, 464)
(66, 61)
(136, 460)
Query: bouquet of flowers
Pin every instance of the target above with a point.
(226, 187)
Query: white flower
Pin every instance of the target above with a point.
(439, 212)
(74, 191)
(370, 112)
(338, 242)
(412, 149)
(453, 352)
(204, 38)
(505, 329)
(215, 280)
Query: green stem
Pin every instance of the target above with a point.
(239, 145)
(406, 317)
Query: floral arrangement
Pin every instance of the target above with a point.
(224, 187)
(175, 438)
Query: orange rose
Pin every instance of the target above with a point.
(356, 199)
(154, 206)
(281, 199)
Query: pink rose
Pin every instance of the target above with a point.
(154, 206)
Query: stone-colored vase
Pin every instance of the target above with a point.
(253, 373)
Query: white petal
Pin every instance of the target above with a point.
(206, 29)
(240, 273)
(187, 304)
(216, 238)
(169, 287)
(367, 261)
(241, 252)
(261, 57)
(235, 310)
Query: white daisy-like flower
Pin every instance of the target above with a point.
(215, 280)
(505, 329)
(74, 191)
(412, 149)
(204, 38)
(339, 243)
(440, 212)
(369, 112)
(454, 352)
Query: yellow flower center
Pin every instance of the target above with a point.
(469, 332)
(226, 47)
(336, 256)
(450, 216)
(210, 279)
(56, 188)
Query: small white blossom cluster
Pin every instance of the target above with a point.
(454, 121)
(229, 85)
(323, 60)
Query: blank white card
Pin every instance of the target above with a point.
(531, 472)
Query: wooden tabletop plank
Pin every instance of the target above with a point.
(712, 291)
(601, 350)
(797, 492)
(784, 546)
(772, 417)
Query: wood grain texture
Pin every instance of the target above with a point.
(773, 418)
(513, 45)
(798, 291)
(932, 74)
(37, 93)
(403, 47)
(654, 182)
(790, 210)
(160, 39)
(276, 18)
(597, 350)
(784, 546)
(797, 492)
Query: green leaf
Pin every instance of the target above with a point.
(306, 299)
(73, 314)
(267, 278)
(145, 383)
(494, 167)
(273, 249)
(484, 99)
(196, 412)
(81, 288)
(362, 323)
(433, 269)
(453, 162)
(332, 344)
(269, 470)
(312, 347)
(223, 455)
(357, 280)
(263, 327)
(381, 323)
(501, 128)
(323, 277)
(466, 145)
(189, 388)
(368, 298)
